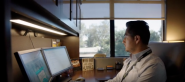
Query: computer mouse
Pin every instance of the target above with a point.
(80, 79)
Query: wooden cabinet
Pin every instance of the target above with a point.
(66, 8)
(52, 6)
(61, 14)
(66, 11)
(79, 15)
(74, 12)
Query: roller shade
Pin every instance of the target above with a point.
(123, 9)
(95, 10)
(137, 10)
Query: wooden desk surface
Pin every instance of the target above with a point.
(95, 75)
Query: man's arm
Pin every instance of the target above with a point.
(153, 73)
(115, 79)
(119, 76)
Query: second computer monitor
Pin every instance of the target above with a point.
(57, 59)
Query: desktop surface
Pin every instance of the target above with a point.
(95, 75)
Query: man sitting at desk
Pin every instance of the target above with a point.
(142, 65)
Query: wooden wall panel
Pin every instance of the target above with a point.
(72, 45)
(175, 15)
(23, 43)
(41, 42)
(19, 43)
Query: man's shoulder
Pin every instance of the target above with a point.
(153, 59)
(127, 60)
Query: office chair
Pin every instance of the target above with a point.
(173, 56)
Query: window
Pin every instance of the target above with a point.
(138, 10)
(94, 37)
(94, 12)
(120, 27)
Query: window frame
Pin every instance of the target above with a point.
(112, 19)
(112, 38)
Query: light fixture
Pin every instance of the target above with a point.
(173, 41)
(19, 21)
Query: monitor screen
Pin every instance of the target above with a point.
(57, 59)
(32, 65)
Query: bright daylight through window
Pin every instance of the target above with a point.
(94, 37)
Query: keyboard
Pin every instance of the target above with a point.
(75, 81)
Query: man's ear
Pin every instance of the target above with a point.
(137, 39)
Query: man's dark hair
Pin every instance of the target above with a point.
(140, 28)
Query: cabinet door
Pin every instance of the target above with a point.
(78, 15)
(69, 13)
(51, 5)
(74, 12)
(65, 9)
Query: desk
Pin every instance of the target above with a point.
(95, 75)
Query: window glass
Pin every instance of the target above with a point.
(94, 37)
(120, 27)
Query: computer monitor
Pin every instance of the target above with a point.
(57, 60)
(32, 65)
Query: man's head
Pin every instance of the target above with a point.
(137, 35)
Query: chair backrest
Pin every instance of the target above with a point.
(173, 56)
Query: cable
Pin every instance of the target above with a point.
(31, 40)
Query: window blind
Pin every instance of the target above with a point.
(123, 9)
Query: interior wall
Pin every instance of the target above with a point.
(23, 43)
(175, 19)
(72, 45)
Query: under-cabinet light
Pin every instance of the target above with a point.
(35, 26)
